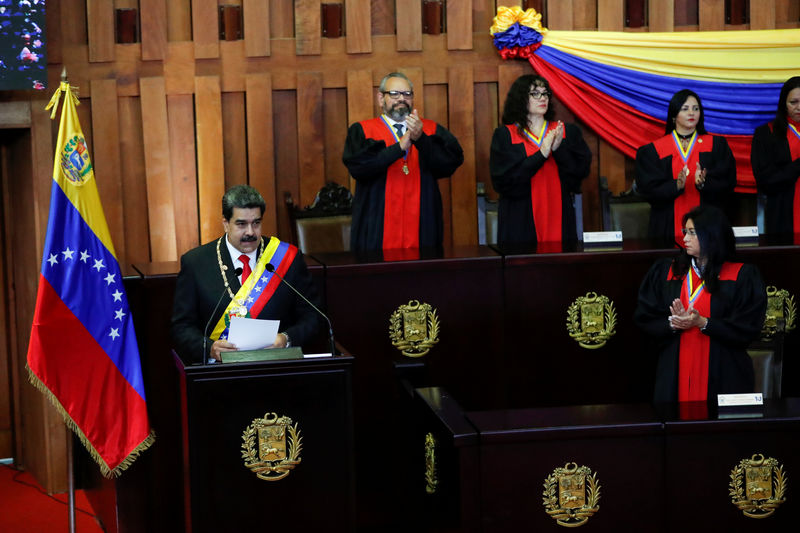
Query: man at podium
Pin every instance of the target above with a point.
(239, 274)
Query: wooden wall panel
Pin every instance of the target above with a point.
(486, 120)
(334, 108)
(560, 15)
(286, 158)
(183, 171)
(106, 161)
(205, 29)
(361, 99)
(610, 15)
(74, 21)
(153, 14)
(358, 26)
(210, 164)
(310, 129)
(383, 17)
(134, 189)
(762, 15)
(459, 25)
(661, 15)
(234, 139)
(256, 28)
(462, 184)
(281, 19)
(435, 104)
(711, 15)
(409, 25)
(260, 155)
(307, 27)
(584, 15)
(179, 20)
(100, 24)
(160, 208)
(416, 75)
(55, 39)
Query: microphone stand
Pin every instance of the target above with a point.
(271, 269)
(206, 355)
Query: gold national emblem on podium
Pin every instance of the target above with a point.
(781, 312)
(431, 481)
(414, 328)
(271, 446)
(591, 320)
(758, 486)
(571, 494)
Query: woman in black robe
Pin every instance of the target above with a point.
(775, 157)
(537, 165)
(701, 310)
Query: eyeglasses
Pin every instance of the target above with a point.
(397, 94)
(689, 231)
(536, 95)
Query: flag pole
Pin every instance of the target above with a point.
(71, 481)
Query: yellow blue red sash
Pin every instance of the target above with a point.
(254, 294)
(684, 153)
(533, 138)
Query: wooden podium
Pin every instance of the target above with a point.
(237, 413)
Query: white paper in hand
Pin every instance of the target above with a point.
(252, 334)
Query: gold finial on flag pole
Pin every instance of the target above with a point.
(64, 73)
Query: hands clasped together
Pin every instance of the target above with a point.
(682, 318)
(413, 130)
(552, 140)
(699, 177)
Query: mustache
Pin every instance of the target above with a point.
(248, 238)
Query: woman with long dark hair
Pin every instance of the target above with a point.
(537, 165)
(685, 168)
(775, 156)
(702, 309)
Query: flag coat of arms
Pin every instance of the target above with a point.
(83, 353)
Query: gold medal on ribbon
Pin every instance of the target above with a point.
(405, 169)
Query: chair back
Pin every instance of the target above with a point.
(323, 226)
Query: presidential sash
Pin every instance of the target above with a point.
(256, 291)
(670, 145)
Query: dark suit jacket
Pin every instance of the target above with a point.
(200, 285)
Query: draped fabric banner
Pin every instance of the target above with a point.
(620, 84)
(83, 353)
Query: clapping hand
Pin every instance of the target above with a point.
(699, 176)
(681, 181)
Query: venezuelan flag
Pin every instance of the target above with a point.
(83, 353)
(620, 83)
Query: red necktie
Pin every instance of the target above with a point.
(245, 267)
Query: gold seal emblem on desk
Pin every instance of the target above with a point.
(781, 313)
(571, 494)
(414, 328)
(271, 447)
(591, 320)
(758, 486)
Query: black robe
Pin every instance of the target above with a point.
(512, 169)
(776, 176)
(367, 160)
(656, 183)
(199, 287)
(737, 315)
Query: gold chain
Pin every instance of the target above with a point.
(223, 268)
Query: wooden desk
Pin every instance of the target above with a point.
(656, 471)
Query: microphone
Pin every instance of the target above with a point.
(271, 269)
(206, 355)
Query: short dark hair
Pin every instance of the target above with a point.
(243, 197)
(515, 109)
(678, 99)
(781, 121)
(382, 86)
(717, 243)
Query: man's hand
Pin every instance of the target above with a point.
(220, 346)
